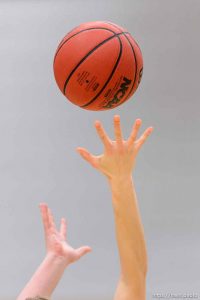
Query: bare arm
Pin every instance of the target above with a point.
(59, 255)
(117, 163)
(130, 239)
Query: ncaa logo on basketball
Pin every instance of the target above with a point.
(104, 49)
(120, 93)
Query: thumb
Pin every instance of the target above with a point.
(83, 250)
(87, 156)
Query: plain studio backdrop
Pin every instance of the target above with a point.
(40, 129)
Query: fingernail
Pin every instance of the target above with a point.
(138, 121)
(150, 129)
(97, 123)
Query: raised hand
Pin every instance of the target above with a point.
(119, 156)
(56, 240)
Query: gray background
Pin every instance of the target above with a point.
(39, 132)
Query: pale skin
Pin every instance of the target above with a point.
(117, 163)
(59, 254)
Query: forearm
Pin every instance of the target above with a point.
(129, 230)
(115, 163)
(45, 279)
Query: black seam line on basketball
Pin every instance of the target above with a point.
(92, 28)
(134, 58)
(114, 25)
(136, 67)
(84, 58)
(109, 78)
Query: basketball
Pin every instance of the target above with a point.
(98, 65)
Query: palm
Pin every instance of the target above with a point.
(56, 240)
(56, 243)
(119, 155)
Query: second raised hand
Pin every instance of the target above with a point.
(56, 240)
(119, 156)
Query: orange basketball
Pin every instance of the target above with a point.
(98, 65)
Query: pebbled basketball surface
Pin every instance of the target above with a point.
(98, 65)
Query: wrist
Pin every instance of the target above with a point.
(56, 259)
(120, 180)
(122, 187)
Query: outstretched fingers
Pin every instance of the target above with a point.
(82, 251)
(102, 134)
(117, 130)
(134, 132)
(45, 217)
(63, 229)
(143, 138)
(51, 220)
(87, 156)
